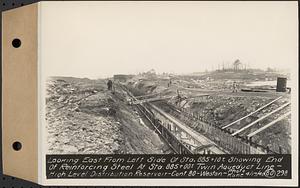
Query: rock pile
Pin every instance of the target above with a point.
(80, 119)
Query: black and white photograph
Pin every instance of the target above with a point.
(168, 78)
(235, 110)
(151, 93)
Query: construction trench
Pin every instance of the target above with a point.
(149, 117)
(174, 126)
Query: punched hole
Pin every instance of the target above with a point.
(17, 146)
(16, 43)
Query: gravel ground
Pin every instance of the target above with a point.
(84, 117)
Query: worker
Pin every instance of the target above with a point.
(109, 85)
(178, 94)
(234, 87)
(177, 98)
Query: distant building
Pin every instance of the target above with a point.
(122, 77)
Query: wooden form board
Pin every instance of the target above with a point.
(19, 92)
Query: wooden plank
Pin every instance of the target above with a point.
(152, 94)
(269, 124)
(162, 98)
(202, 95)
(261, 118)
(152, 99)
(259, 109)
(201, 148)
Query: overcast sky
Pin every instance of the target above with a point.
(99, 39)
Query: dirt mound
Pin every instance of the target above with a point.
(84, 117)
